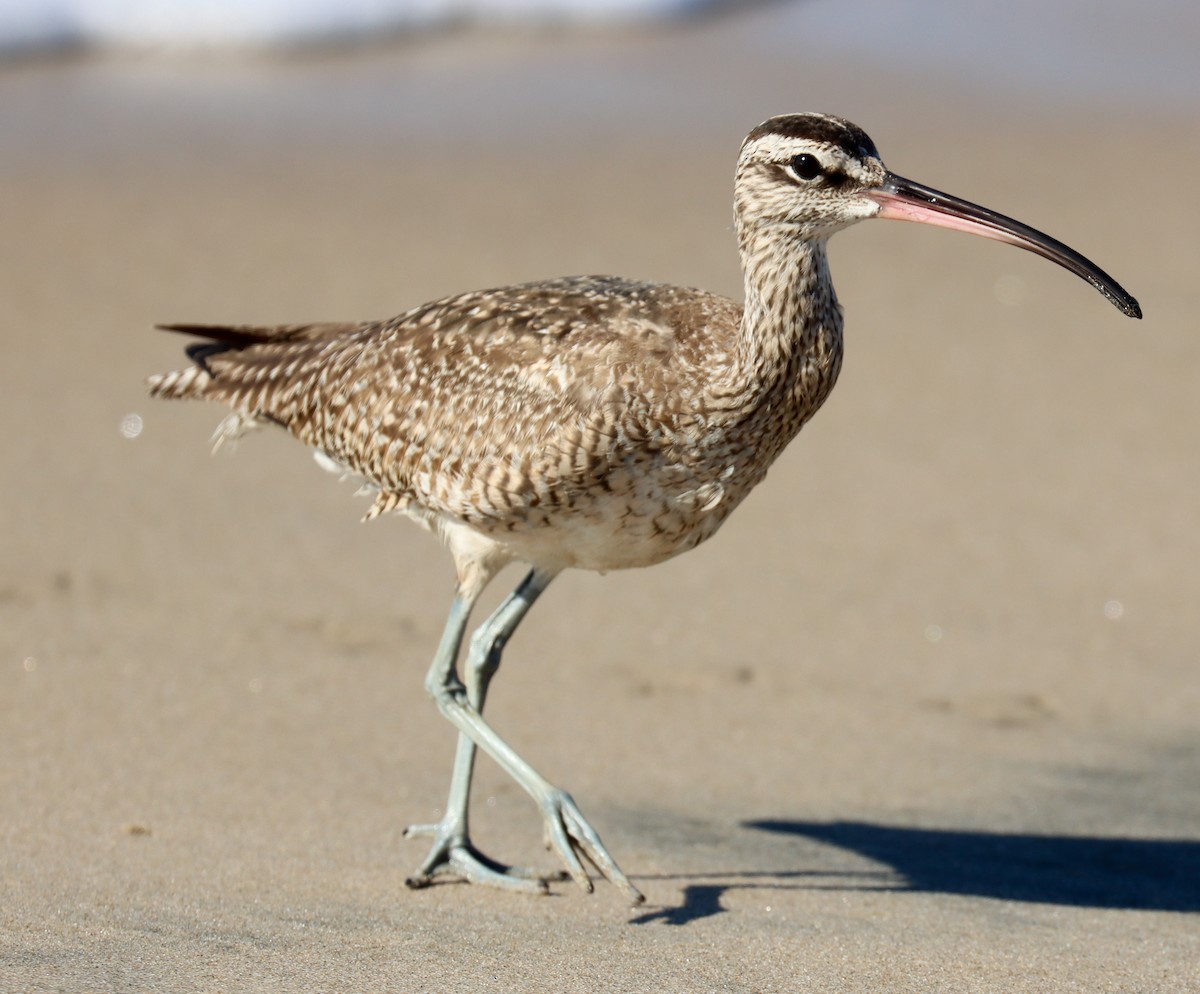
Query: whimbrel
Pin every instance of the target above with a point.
(591, 422)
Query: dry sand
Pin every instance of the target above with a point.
(923, 717)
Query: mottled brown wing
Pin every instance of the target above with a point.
(474, 406)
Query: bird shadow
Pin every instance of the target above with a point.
(1078, 871)
(704, 900)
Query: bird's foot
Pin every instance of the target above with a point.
(566, 831)
(454, 857)
(571, 835)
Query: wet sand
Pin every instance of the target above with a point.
(922, 717)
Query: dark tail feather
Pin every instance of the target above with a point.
(234, 337)
(219, 339)
(242, 335)
(226, 338)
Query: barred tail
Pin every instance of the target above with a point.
(229, 341)
(180, 384)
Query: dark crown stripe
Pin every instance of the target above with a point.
(850, 138)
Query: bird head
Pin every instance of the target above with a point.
(809, 175)
(807, 172)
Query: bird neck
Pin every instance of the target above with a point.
(790, 340)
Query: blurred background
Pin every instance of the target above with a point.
(964, 598)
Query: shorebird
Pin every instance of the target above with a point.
(590, 422)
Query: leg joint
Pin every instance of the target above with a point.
(442, 688)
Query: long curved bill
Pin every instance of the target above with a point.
(903, 200)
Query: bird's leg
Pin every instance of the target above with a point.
(567, 831)
(453, 851)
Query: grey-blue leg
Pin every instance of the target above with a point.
(567, 831)
(453, 852)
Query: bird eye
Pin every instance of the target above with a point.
(806, 167)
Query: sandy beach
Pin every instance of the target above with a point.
(921, 718)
